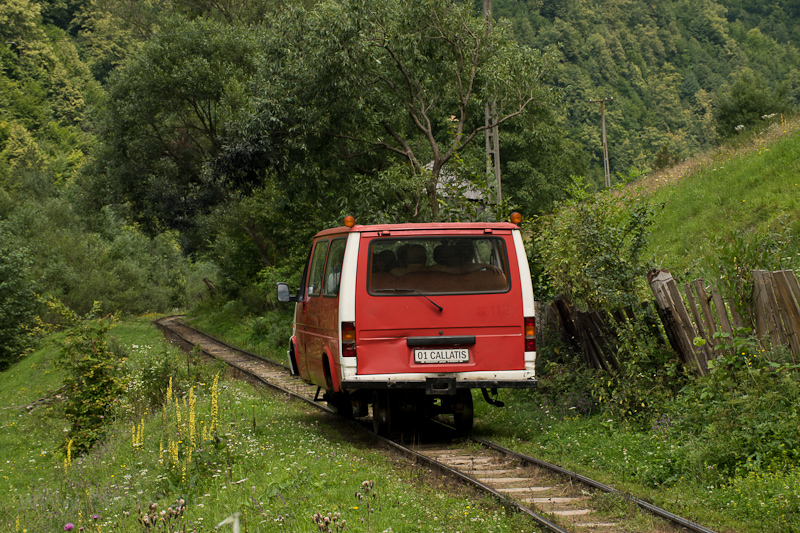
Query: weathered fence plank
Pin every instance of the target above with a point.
(698, 323)
(722, 312)
(775, 314)
(765, 309)
(704, 300)
(790, 313)
(676, 318)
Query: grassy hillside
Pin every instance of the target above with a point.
(750, 185)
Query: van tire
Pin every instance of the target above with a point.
(463, 413)
(341, 403)
(326, 368)
(383, 412)
(294, 370)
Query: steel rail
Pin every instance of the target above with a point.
(658, 511)
(404, 450)
(428, 461)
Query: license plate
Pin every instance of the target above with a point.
(447, 355)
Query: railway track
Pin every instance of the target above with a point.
(556, 499)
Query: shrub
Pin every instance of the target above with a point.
(647, 374)
(117, 265)
(94, 378)
(591, 252)
(745, 412)
(591, 248)
(746, 101)
(17, 302)
(733, 259)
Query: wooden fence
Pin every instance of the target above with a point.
(697, 312)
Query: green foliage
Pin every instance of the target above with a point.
(168, 112)
(591, 248)
(94, 378)
(117, 264)
(745, 412)
(647, 374)
(665, 65)
(259, 230)
(748, 99)
(18, 302)
(731, 260)
(152, 371)
(372, 87)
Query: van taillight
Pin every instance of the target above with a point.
(348, 339)
(530, 334)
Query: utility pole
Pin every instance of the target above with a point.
(605, 143)
(492, 131)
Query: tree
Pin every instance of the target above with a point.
(17, 302)
(592, 246)
(381, 84)
(167, 116)
(745, 102)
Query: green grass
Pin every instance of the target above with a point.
(636, 460)
(266, 334)
(745, 186)
(277, 462)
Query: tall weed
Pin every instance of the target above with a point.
(732, 259)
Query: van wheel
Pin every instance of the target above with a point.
(341, 404)
(463, 411)
(328, 376)
(382, 413)
(294, 370)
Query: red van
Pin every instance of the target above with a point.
(409, 318)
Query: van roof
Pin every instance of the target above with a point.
(422, 226)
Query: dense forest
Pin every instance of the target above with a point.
(145, 146)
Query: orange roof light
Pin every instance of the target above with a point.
(516, 218)
(349, 221)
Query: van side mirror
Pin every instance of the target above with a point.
(284, 295)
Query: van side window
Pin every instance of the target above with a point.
(317, 266)
(333, 271)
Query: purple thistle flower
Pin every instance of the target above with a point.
(69, 526)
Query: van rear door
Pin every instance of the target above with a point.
(444, 302)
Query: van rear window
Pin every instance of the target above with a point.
(457, 265)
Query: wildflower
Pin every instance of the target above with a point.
(69, 526)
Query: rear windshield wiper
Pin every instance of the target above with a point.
(410, 290)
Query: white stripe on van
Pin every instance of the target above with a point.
(528, 308)
(347, 298)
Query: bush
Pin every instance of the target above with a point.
(591, 248)
(746, 414)
(646, 376)
(18, 302)
(748, 99)
(117, 265)
(591, 252)
(152, 372)
(94, 378)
